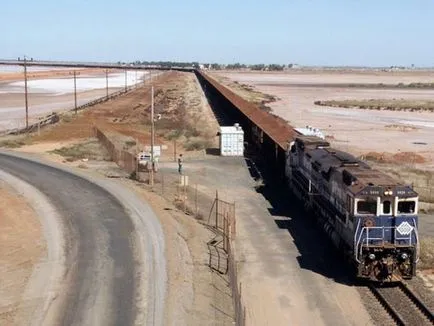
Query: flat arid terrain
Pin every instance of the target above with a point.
(355, 130)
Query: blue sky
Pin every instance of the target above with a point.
(309, 32)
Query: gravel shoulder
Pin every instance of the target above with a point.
(22, 249)
(38, 299)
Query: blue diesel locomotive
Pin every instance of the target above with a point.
(368, 215)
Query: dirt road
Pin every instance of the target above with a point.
(114, 252)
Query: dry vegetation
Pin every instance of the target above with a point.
(90, 149)
(372, 85)
(247, 92)
(375, 104)
(426, 253)
(185, 115)
(403, 166)
(14, 141)
(399, 127)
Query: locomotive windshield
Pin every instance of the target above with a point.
(406, 207)
(366, 207)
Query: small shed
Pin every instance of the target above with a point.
(232, 141)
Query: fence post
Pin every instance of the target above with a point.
(195, 200)
(185, 197)
(225, 233)
(216, 209)
(233, 228)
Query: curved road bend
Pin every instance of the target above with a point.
(102, 270)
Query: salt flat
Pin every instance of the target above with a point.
(355, 130)
(48, 95)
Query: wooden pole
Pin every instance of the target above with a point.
(106, 83)
(25, 92)
(195, 200)
(151, 180)
(75, 91)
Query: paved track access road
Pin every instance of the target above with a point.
(114, 252)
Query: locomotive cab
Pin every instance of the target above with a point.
(386, 238)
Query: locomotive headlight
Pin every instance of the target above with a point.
(404, 256)
(371, 256)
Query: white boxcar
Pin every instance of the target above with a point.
(232, 141)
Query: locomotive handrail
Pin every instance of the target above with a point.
(416, 232)
(367, 239)
(356, 243)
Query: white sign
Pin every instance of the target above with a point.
(404, 228)
(157, 150)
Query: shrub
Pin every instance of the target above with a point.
(195, 144)
(427, 253)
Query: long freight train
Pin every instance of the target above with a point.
(369, 216)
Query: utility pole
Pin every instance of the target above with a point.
(125, 80)
(151, 179)
(75, 91)
(25, 92)
(106, 83)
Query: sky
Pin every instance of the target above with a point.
(306, 32)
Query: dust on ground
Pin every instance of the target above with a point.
(21, 248)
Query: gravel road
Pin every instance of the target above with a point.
(114, 247)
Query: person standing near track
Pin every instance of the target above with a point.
(180, 161)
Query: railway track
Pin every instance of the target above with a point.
(403, 306)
